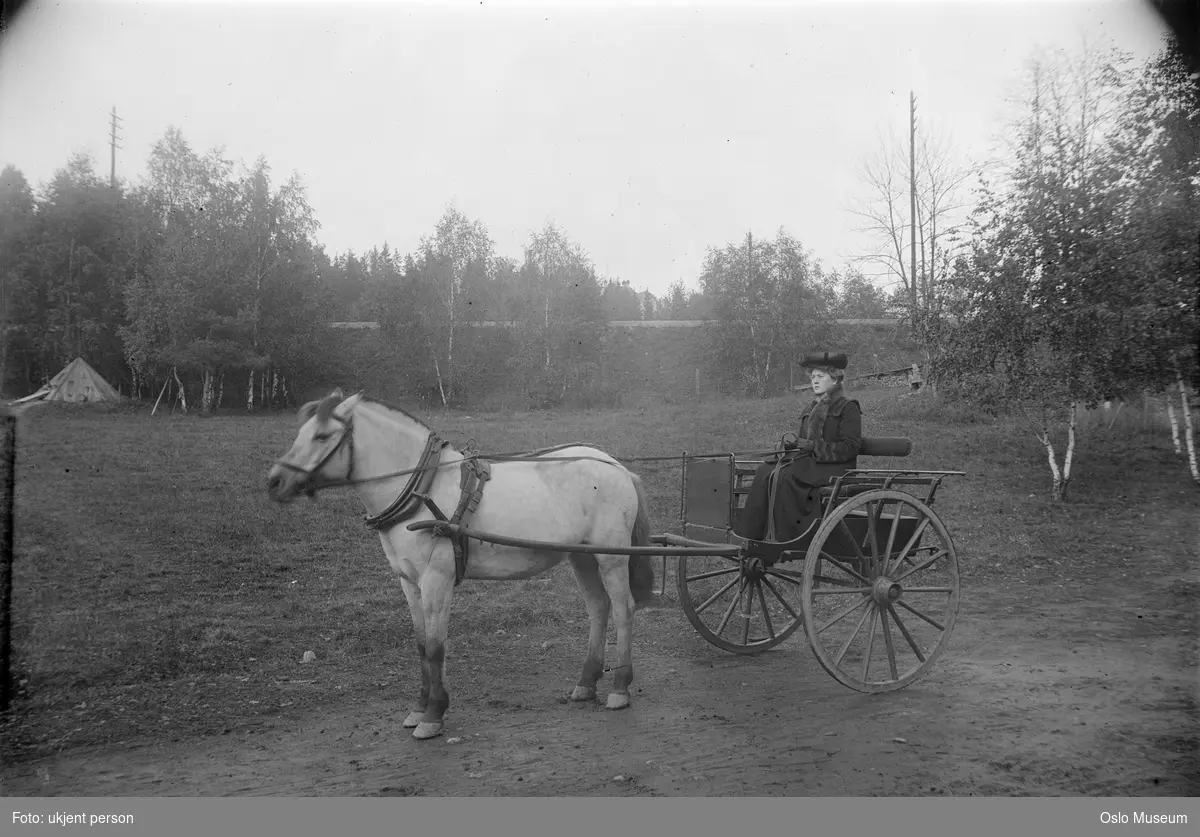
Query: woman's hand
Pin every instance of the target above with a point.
(792, 441)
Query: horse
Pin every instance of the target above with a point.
(573, 494)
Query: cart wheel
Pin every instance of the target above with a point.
(881, 563)
(738, 603)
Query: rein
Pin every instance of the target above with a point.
(433, 445)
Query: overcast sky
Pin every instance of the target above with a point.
(648, 133)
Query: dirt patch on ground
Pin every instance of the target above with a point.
(1055, 688)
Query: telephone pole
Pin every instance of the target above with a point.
(912, 193)
(112, 141)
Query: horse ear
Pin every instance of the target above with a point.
(325, 408)
(306, 411)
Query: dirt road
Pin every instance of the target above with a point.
(1045, 690)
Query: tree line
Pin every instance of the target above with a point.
(205, 280)
(1067, 275)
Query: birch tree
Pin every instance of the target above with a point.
(450, 261)
(1039, 318)
(769, 306)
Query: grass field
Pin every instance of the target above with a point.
(160, 596)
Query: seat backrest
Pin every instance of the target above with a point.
(886, 446)
(708, 492)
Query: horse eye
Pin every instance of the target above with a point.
(321, 437)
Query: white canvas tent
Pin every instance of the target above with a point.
(77, 382)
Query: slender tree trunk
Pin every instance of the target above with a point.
(206, 392)
(1061, 476)
(1055, 473)
(450, 337)
(1188, 430)
(437, 370)
(262, 389)
(250, 393)
(546, 326)
(274, 385)
(1174, 425)
(182, 393)
(1069, 458)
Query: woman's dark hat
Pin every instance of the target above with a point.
(824, 359)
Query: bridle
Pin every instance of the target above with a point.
(345, 437)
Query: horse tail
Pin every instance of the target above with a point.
(641, 567)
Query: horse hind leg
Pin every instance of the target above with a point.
(413, 594)
(595, 597)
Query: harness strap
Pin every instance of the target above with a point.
(475, 474)
(408, 501)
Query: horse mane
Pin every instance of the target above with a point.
(399, 410)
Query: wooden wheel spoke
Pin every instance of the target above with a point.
(762, 601)
(873, 514)
(912, 541)
(891, 541)
(729, 610)
(837, 660)
(836, 582)
(920, 615)
(862, 591)
(866, 665)
(907, 636)
(853, 543)
(887, 641)
(825, 556)
(928, 589)
(916, 568)
(713, 574)
(767, 583)
(786, 575)
(747, 611)
(833, 620)
(717, 595)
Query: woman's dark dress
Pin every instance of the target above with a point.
(834, 425)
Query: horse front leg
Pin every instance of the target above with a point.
(437, 589)
(614, 572)
(587, 577)
(413, 594)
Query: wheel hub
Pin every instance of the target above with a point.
(754, 568)
(885, 591)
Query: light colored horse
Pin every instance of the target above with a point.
(572, 495)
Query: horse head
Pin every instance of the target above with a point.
(322, 453)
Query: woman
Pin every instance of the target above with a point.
(784, 501)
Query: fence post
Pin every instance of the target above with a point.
(8, 461)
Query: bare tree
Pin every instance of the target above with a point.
(885, 212)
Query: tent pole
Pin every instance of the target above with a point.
(160, 395)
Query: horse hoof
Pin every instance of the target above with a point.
(582, 693)
(413, 719)
(427, 729)
(617, 701)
